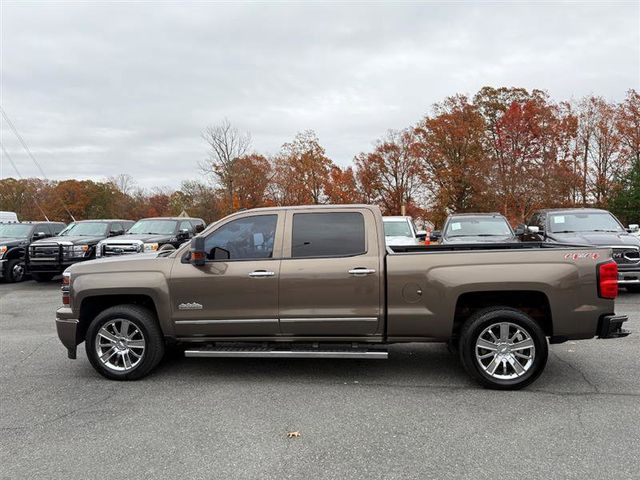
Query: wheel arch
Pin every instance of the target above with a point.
(532, 302)
(91, 306)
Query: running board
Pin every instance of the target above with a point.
(258, 352)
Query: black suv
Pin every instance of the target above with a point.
(151, 235)
(590, 226)
(76, 243)
(15, 238)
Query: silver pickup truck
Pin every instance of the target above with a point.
(318, 281)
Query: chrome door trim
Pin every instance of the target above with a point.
(226, 321)
(330, 319)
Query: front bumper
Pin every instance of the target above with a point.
(67, 328)
(610, 326)
(628, 277)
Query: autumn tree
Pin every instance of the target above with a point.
(226, 145)
(300, 171)
(252, 174)
(340, 186)
(601, 143)
(392, 174)
(450, 147)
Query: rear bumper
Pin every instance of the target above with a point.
(610, 326)
(67, 328)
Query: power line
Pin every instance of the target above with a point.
(20, 176)
(26, 147)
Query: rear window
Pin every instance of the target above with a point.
(328, 235)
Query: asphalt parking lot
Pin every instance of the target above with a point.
(416, 415)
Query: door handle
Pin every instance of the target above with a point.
(261, 273)
(361, 271)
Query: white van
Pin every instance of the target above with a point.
(8, 217)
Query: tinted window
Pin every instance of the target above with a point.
(43, 227)
(327, 235)
(245, 238)
(116, 228)
(584, 222)
(186, 225)
(397, 228)
(57, 228)
(477, 226)
(89, 229)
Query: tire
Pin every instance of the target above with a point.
(42, 277)
(633, 288)
(520, 331)
(104, 336)
(15, 270)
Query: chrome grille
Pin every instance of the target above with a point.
(47, 252)
(626, 255)
(111, 249)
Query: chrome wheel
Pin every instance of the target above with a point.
(120, 345)
(505, 351)
(17, 272)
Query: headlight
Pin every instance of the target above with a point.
(76, 250)
(150, 247)
(3, 250)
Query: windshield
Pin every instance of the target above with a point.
(85, 229)
(153, 227)
(15, 230)
(397, 229)
(584, 222)
(478, 227)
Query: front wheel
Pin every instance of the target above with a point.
(503, 348)
(15, 270)
(124, 342)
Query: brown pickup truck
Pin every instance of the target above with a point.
(320, 282)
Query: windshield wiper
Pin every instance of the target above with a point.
(612, 231)
(565, 231)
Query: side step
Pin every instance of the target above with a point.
(287, 352)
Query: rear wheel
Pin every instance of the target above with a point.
(633, 288)
(124, 342)
(43, 277)
(15, 270)
(503, 348)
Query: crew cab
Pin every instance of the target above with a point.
(152, 234)
(475, 228)
(319, 281)
(590, 226)
(15, 238)
(76, 243)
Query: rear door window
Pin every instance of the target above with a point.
(339, 234)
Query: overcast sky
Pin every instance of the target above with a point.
(109, 88)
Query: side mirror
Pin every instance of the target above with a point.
(634, 227)
(220, 253)
(183, 233)
(435, 236)
(199, 228)
(533, 229)
(116, 233)
(39, 235)
(198, 256)
(421, 235)
(520, 230)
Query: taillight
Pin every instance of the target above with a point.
(66, 288)
(608, 280)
